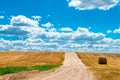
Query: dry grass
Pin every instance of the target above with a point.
(109, 71)
(30, 58)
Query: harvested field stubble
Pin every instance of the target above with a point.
(111, 71)
(30, 58)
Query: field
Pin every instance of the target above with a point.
(109, 71)
(11, 62)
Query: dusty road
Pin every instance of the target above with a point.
(72, 69)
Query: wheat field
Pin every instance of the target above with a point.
(30, 58)
(109, 71)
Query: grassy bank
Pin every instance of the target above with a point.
(110, 71)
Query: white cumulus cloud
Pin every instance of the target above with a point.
(117, 30)
(82, 30)
(21, 26)
(25, 34)
(92, 4)
(52, 30)
(47, 25)
(36, 17)
(21, 20)
(1, 17)
(66, 29)
(109, 31)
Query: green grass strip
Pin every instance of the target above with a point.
(44, 67)
(8, 70)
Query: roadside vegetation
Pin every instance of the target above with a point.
(109, 71)
(12, 62)
(8, 70)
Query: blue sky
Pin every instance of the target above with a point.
(60, 25)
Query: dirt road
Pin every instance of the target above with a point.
(72, 69)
